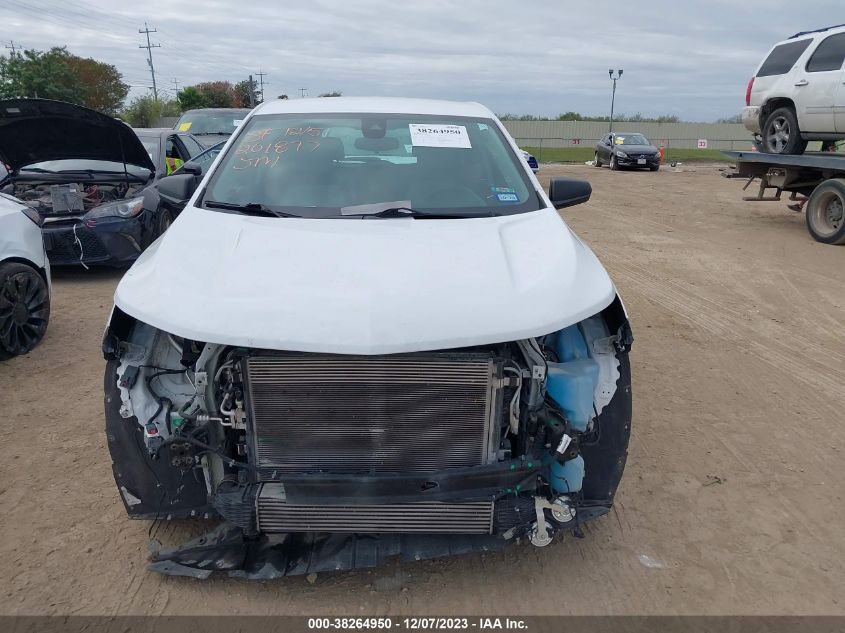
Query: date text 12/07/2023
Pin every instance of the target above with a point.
(417, 624)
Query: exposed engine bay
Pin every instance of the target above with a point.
(49, 198)
(369, 455)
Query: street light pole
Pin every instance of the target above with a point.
(613, 96)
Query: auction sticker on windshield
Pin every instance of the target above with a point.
(439, 136)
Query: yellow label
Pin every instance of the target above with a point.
(184, 127)
(619, 139)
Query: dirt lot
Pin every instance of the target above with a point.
(732, 501)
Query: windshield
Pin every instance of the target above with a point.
(316, 165)
(75, 164)
(631, 139)
(219, 122)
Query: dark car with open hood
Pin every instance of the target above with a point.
(83, 173)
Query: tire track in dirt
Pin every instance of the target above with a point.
(695, 308)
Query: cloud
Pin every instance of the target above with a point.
(540, 57)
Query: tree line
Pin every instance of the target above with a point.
(60, 75)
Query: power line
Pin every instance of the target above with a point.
(261, 76)
(302, 92)
(147, 30)
(11, 45)
(43, 15)
(77, 15)
(175, 83)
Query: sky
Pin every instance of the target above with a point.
(690, 58)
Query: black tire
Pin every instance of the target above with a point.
(825, 212)
(24, 309)
(163, 221)
(781, 134)
(614, 164)
(598, 160)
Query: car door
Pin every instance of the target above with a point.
(604, 147)
(176, 152)
(818, 86)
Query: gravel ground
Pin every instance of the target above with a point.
(732, 501)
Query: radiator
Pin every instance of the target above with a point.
(275, 514)
(346, 414)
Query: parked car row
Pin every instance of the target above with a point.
(78, 188)
(84, 176)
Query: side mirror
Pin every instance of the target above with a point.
(567, 192)
(178, 187)
(191, 168)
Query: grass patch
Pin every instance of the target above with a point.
(583, 154)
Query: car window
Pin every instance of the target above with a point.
(631, 139)
(175, 150)
(191, 145)
(215, 122)
(153, 147)
(205, 159)
(783, 58)
(829, 55)
(314, 165)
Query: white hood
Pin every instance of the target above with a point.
(375, 286)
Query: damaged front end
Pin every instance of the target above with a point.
(318, 462)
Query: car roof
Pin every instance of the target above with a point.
(828, 30)
(153, 132)
(213, 110)
(379, 105)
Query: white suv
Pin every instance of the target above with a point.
(797, 94)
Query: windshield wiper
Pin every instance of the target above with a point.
(402, 210)
(251, 208)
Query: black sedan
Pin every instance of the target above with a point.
(627, 149)
(84, 173)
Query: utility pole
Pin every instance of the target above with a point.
(11, 45)
(302, 92)
(251, 93)
(613, 96)
(147, 30)
(261, 76)
(175, 83)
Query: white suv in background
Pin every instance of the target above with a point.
(797, 94)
